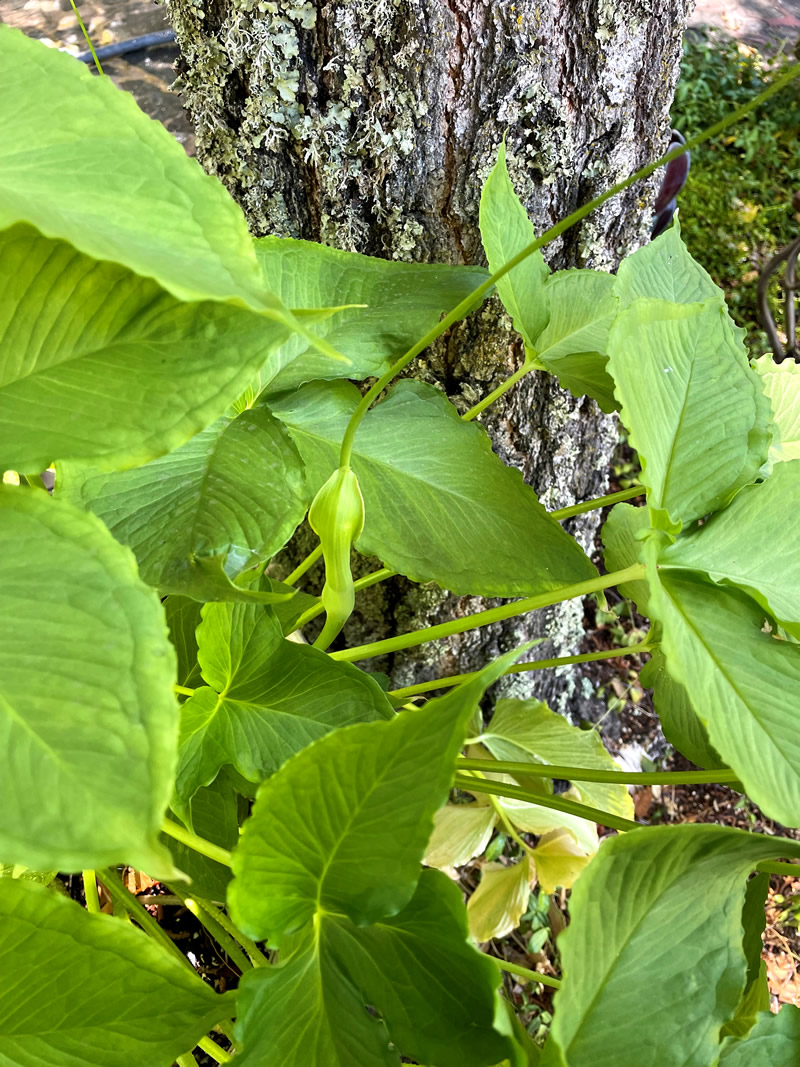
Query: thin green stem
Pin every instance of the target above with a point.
(214, 1051)
(186, 1060)
(215, 929)
(373, 578)
(484, 618)
(257, 957)
(598, 502)
(360, 583)
(476, 409)
(507, 825)
(792, 869)
(122, 897)
(301, 568)
(199, 844)
(90, 892)
(184, 691)
(557, 803)
(518, 668)
(590, 774)
(473, 299)
(85, 33)
(525, 972)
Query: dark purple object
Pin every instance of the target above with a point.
(675, 175)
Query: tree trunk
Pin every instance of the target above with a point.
(371, 125)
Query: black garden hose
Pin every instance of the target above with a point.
(135, 44)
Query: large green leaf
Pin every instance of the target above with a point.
(183, 618)
(664, 269)
(235, 493)
(80, 161)
(581, 305)
(773, 1042)
(505, 231)
(527, 730)
(402, 302)
(623, 533)
(755, 997)
(781, 384)
(98, 364)
(213, 814)
(743, 683)
(440, 506)
(752, 544)
(434, 993)
(83, 990)
(265, 698)
(676, 895)
(356, 852)
(88, 719)
(693, 405)
(679, 721)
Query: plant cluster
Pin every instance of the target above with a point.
(195, 389)
(736, 209)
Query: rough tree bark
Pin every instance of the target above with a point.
(370, 125)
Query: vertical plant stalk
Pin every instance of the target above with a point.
(257, 957)
(90, 892)
(121, 897)
(216, 931)
(87, 38)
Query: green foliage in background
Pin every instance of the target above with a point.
(736, 209)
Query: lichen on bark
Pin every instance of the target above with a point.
(371, 125)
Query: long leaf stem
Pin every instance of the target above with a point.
(257, 957)
(87, 38)
(473, 299)
(484, 618)
(212, 1049)
(186, 1060)
(508, 826)
(792, 869)
(303, 566)
(215, 929)
(519, 668)
(590, 774)
(198, 844)
(557, 803)
(598, 502)
(476, 409)
(90, 892)
(525, 972)
(122, 897)
(183, 691)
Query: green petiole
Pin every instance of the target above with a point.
(199, 844)
(598, 502)
(518, 668)
(484, 618)
(304, 566)
(121, 897)
(557, 803)
(212, 1049)
(90, 892)
(525, 972)
(590, 774)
